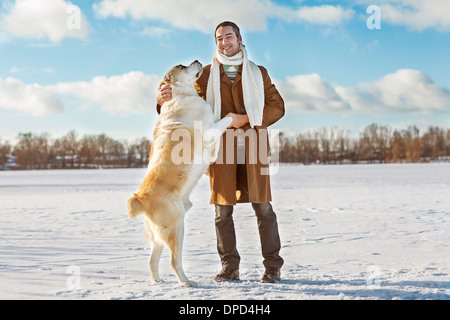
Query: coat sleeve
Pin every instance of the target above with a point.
(274, 104)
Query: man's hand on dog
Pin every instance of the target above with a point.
(239, 120)
(164, 94)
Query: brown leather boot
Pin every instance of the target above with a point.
(271, 275)
(227, 274)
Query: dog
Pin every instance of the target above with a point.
(186, 141)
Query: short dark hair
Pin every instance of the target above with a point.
(229, 24)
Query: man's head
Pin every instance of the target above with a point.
(228, 38)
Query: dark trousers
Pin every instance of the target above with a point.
(268, 233)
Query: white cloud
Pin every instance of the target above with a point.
(24, 69)
(204, 15)
(408, 90)
(417, 14)
(404, 91)
(311, 93)
(132, 92)
(200, 15)
(324, 15)
(47, 70)
(32, 98)
(156, 32)
(14, 70)
(129, 93)
(49, 19)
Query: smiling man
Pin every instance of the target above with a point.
(235, 86)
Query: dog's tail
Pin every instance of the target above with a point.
(135, 207)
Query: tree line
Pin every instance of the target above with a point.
(375, 144)
(40, 151)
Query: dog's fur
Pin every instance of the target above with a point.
(163, 195)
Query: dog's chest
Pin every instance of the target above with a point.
(192, 109)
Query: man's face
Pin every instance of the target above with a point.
(227, 41)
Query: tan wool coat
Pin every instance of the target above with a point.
(233, 183)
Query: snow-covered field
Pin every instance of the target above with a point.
(348, 232)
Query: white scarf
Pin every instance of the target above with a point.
(252, 85)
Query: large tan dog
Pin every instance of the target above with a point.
(185, 142)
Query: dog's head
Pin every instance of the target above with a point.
(186, 75)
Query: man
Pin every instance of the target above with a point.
(236, 87)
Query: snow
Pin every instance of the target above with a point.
(347, 231)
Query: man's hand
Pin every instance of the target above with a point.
(164, 94)
(239, 120)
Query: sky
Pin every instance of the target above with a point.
(94, 66)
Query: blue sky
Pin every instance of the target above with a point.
(96, 69)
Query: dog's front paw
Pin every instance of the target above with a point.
(189, 284)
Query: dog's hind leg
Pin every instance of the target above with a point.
(157, 247)
(153, 261)
(175, 245)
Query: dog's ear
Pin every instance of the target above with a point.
(169, 78)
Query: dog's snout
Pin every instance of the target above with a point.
(197, 64)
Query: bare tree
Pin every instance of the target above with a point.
(130, 151)
(413, 146)
(374, 143)
(325, 138)
(324, 145)
(71, 146)
(116, 153)
(5, 149)
(342, 146)
(447, 144)
(102, 145)
(397, 147)
(143, 147)
(32, 151)
(41, 150)
(88, 151)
